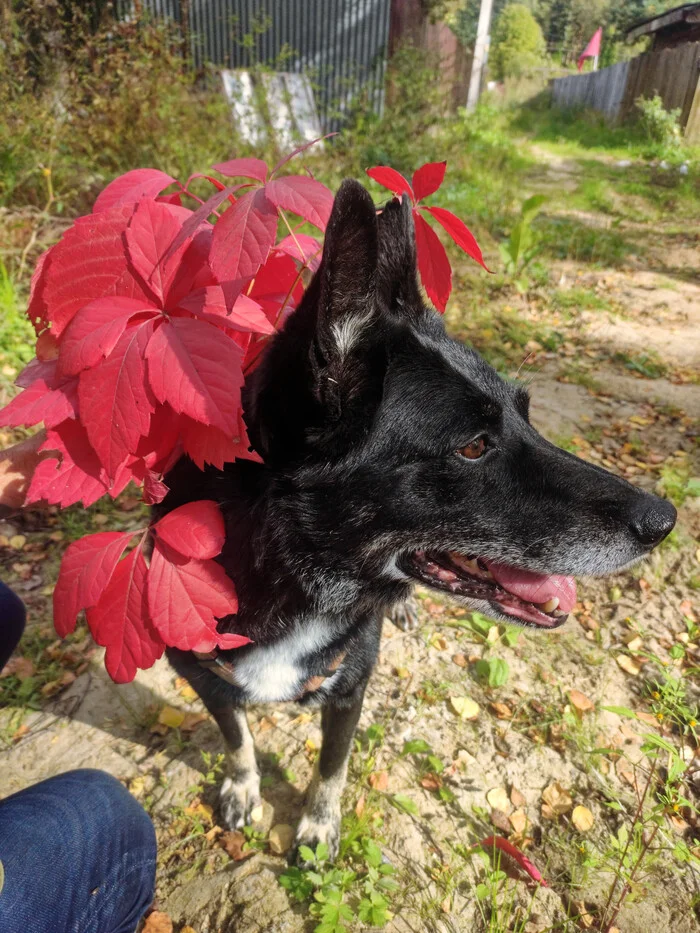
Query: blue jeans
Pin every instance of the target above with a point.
(77, 852)
(12, 615)
(79, 856)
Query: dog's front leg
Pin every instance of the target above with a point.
(320, 821)
(240, 790)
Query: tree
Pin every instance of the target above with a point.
(517, 43)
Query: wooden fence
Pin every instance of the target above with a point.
(673, 74)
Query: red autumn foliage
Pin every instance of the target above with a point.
(148, 316)
(433, 264)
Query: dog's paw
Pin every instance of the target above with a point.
(312, 832)
(405, 615)
(240, 800)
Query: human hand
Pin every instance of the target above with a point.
(17, 465)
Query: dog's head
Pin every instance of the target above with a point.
(399, 455)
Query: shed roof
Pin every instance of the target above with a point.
(686, 13)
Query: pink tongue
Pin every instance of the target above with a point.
(535, 587)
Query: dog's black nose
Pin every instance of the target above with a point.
(652, 522)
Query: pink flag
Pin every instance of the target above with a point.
(592, 50)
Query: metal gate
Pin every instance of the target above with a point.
(342, 45)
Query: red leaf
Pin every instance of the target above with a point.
(433, 264)
(95, 331)
(193, 530)
(199, 217)
(115, 399)
(391, 179)
(204, 444)
(303, 196)
(174, 198)
(185, 598)
(459, 232)
(243, 237)
(428, 178)
(121, 622)
(151, 231)
(303, 247)
(131, 187)
(50, 399)
(162, 442)
(89, 262)
(36, 369)
(499, 842)
(74, 475)
(273, 284)
(243, 168)
(196, 368)
(86, 569)
(245, 315)
(154, 489)
(193, 270)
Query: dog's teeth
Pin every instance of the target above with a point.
(446, 576)
(465, 563)
(559, 614)
(550, 605)
(431, 568)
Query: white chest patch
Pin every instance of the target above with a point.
(273, 673)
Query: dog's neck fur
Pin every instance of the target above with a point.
(286, 567)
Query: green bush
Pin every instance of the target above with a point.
(517, 43)
(104, 98)
(660, 126)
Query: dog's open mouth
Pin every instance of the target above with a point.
(539, 599)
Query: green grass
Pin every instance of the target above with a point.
(16, 333)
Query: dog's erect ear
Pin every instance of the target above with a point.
(397, 282)
(347, 277)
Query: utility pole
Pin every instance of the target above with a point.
(481, 51)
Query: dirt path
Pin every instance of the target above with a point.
(487, 774)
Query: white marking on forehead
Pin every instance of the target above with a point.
(272, 673)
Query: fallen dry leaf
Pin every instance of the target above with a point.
(18, 667)
(628, 664)
(516, 798)
(281, 838)
(17, 542)
(500, 820)
(158, 922)
(256, 814)
(498, 799)
(557, 801)
(580, 701)
(582, 818)
(171, 717)
(465, 708)
(502, 710)
(188, 930)
(200, 811)
(459, 659)
(360, 806)
(20, 733)
(402, 673)
(431, 782)
(190, 721)
(232, 843)
(212, 834)
(379, 780)
(518, 820)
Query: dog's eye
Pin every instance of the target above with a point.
(474, 449)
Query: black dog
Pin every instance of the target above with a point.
(393, 455)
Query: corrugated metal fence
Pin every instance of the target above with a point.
(673, 74)
(342, 45)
